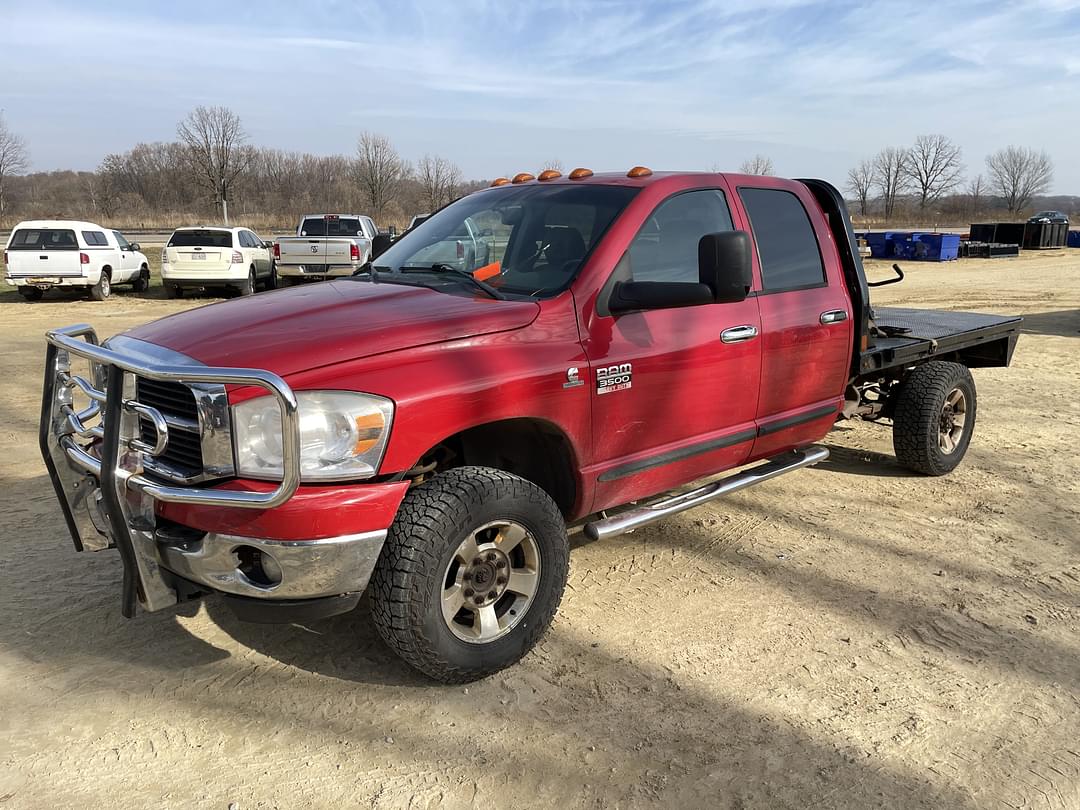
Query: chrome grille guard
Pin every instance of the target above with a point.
(106, 498)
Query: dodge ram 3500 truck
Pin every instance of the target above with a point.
(428, 437)
(325, 246)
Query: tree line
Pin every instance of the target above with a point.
(929, 178)
(212, 172)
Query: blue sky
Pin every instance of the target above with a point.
(502, 86)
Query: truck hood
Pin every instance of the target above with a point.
(303, 328)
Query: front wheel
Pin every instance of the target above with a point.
(471, 575)
(934, 417)
(142, 281)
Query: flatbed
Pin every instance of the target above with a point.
(902, 337)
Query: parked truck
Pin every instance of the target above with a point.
(430, 438)
(325, 246)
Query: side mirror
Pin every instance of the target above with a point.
(633, 295)
(134, 246)
(380, 244)
(268, 245)
(725, 265)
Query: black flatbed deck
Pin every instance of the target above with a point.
(914, 335)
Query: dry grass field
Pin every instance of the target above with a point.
(850, 636)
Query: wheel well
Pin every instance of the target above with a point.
(107, 269)
(531, 448)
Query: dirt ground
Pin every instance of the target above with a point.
(848, 636)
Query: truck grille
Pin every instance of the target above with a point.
(176, 402)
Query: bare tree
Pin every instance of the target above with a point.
(975, 190)
(890, 176)
(13, 160)
(934, 167)
(860, 183)
(379, 172)
(217, 151)
(1017, 174)
(758, 164)
(439, 181)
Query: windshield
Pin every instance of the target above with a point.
(204, 238)
(331, 226)
(528, 240)
(43, 239)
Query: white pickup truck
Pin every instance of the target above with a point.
(325, 245)
(42, 254)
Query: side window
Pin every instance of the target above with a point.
(95, 239)
(786, 244)
(255, 240)
(244, 241)
(120, 240)
(666, 247)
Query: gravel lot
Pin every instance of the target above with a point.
(848, 636)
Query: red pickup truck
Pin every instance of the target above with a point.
(430, 437)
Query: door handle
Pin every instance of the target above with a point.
(739, 334)
(833, 316)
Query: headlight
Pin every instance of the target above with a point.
(342, 435)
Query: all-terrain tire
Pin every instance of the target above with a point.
(919, 417)
(407, 586)
(102, 290)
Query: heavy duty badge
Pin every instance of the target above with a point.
(613, 378)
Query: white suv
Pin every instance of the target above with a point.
(208, 256)
(47, 253)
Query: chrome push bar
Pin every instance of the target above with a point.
(106, 497)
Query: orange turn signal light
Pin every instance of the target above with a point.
(639, 171)
(500, 181)
(523, 177)
(580, 174)
(549, 174)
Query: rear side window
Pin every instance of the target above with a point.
(95, 239)
(786, 244)
(666, 247)
(331, 226)
(201, 238)
(43, 239)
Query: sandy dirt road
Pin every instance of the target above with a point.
(848, 636)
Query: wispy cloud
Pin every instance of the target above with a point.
(492, 84)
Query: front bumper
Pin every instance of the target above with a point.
(110, 500)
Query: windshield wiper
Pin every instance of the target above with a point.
(441, 267)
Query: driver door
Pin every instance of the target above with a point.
(129, 262)
(674, 390)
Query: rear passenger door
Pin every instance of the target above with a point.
(805, 317)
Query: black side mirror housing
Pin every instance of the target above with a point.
(134, 246)
(634, 295)
(380, 243)
(725, 265)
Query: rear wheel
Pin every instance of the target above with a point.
(102, 290)
(173, 290)
(142, 281)
(272, 282)
(471, 574)
(934, 417)
(31, 293)
(248, 287)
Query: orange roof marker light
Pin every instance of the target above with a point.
(639, 171)
(500, 181)
(522, 177)
(549, 174)
(580, 174)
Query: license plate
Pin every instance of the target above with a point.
(199, 256)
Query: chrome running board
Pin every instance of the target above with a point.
(639, 516)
